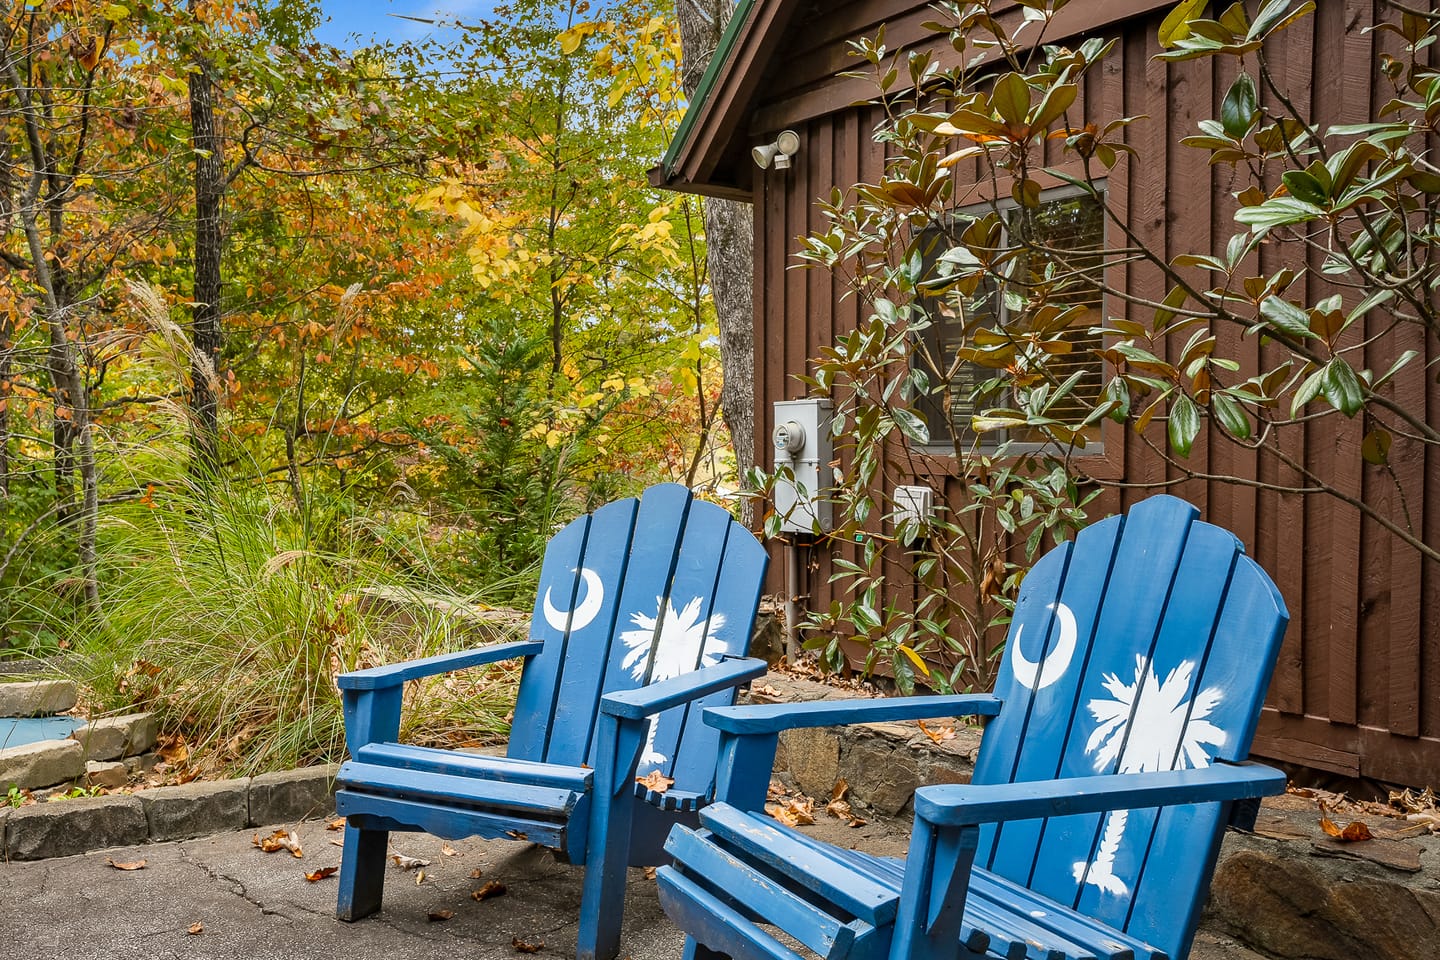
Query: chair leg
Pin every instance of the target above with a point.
(362, 872)
(602, 902)
(695, 950)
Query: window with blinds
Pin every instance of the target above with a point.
(1064, 235)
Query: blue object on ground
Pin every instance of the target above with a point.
(1127, 697)
(642, 618)
(18, 731)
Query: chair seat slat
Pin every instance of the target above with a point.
(764, 895)
(457, 763)
(376, 811)
(548, 802)
(812, 865)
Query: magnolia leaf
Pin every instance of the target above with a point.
(1184, 425)
(1176, 25)
(1231, 415)
(912, 426)
(1375, 448)
(1290, 319)
(1342, 388)
(1011, 98)
(1238, 109)
(915, 659)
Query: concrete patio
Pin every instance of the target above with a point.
(259, 906)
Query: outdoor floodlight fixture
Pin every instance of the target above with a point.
(786, 145)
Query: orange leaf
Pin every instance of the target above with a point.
(321, 874)
(435, 916)
(492, 888)
(1353, 832)
(656, 781)
(524, 947)
(196, 928)
(127, 864)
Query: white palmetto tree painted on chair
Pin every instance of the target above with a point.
(683, 642)
(1147, 726)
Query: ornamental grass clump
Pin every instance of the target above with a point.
(221, 616)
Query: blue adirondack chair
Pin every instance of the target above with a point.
(1111, 763)
(643, 616)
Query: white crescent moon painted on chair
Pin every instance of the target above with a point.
(1038, 676)
(580, 617)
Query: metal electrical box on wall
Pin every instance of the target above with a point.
(801, 440)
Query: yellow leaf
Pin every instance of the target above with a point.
(915, 659)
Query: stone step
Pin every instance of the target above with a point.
(36, 698)
(41, 764)
(112, 738)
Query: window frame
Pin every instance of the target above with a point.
(1095, 449)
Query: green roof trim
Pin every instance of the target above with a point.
(707, 83)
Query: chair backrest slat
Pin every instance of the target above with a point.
(1155, 656)
(677, 589)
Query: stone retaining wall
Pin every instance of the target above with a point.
(62, 828)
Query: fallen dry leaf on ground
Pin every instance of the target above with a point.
(337, 824)
(419, 877)
(408, 863)
(524, 947)
(939, 734)
(196, 928)
(435, 916)
(127, 864)
(321, 874)
(448, 851)
(491, 888)
(650, 873)
(475, 874)
(279, 840)
(656, 781)
(1353, 832)
(793, 813)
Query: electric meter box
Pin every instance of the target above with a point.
(801, 440)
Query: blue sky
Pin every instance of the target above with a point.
(373, 20)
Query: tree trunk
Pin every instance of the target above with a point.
(729, 244)
(205, 331)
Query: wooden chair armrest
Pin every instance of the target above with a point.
(393, 675)
(960, 805)
(772, 718)
(646, 701)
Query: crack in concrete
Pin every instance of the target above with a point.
(237, 886)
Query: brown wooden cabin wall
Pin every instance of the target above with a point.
(1357, 689)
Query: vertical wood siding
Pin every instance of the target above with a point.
(1357, 688)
